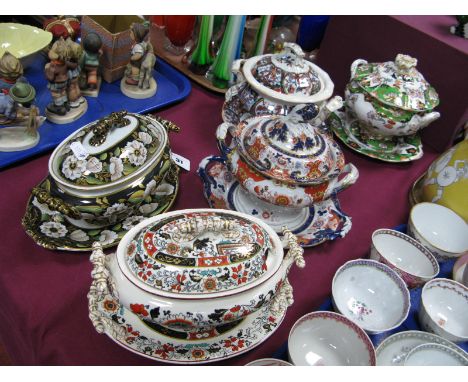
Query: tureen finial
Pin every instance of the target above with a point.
(405, 63)
(294, 48)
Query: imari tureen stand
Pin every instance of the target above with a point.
(386, 105)
(193, 286)
(103, 179)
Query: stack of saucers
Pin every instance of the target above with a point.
(103, 179)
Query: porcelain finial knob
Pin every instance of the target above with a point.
(405, 63)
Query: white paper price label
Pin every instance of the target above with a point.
(79, 151)
(180, 161)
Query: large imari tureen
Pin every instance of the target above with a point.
(103, 179)
(193, 276)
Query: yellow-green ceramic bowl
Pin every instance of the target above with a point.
(22, 40)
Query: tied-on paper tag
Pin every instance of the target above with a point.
(79, 151)
(181, 161)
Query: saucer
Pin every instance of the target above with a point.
(393, 350)
(128, 331)
(396, 150)
(312, 225)
(53, 230)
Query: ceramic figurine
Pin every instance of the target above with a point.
(386, 105)
(90, 80)
(57, 73)
(138, 81)
(75, 98)
(10, 71)
(461, 29)
(19, 118)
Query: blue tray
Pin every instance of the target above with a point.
(173, 86)
(411, 323)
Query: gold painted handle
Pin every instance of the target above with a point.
(55, 204)
(103, 126)
(168, 125)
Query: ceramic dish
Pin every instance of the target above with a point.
(434, 355)
(444, 309)
(187, 273)
(53, 230)
(329, 339)
(128, 331)
(439, 229)
(313, 225)
(22, 40)
(401, 149)
(412, 261)
(393, 350)
(391, 98)
(371, 295)
(269, 362)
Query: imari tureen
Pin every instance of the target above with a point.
(193, 276)
(274, 84)
(390, 98)
(103, 179)
(285, 160)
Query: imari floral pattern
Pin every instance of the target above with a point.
(397, 149)
(281, 75)
(288, 149)
(146, 341)
(114, 162)
(397, 84)
(243, 102)
(54, 230)
(325, 220)
(168, 257)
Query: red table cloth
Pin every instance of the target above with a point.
(43, 311)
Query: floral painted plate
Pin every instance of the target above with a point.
(142, 338)
(400, 149)
(53, 230)
(312, 225)
(393, 350)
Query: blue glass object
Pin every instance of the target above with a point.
(311, 31)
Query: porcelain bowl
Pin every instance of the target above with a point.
(412, 261)
(329, 339)
(370, 294)
(195, 315)
(434, 355)
(439, 229)
(268, 362)
(444, 309)
(22, 40)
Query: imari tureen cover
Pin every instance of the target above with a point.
(199, 253)
(398, 84)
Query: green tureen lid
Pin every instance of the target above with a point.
(398, 84)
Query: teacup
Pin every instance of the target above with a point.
(411, 260)
(444, 309)
(439, 229)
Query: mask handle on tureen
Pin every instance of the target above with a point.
(221, 134)
(355, 65)
(102, 289)
(284, 297)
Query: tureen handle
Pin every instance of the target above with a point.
(236, 69)
(294, 48)
(168, 125)
(221, 133)
(295, 251)
(55, 204)
(355, 65)
(102, 288)
(332, 105)
(187, 231)
(352, 175)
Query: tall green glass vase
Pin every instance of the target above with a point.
(220, 72)
(201, 58)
